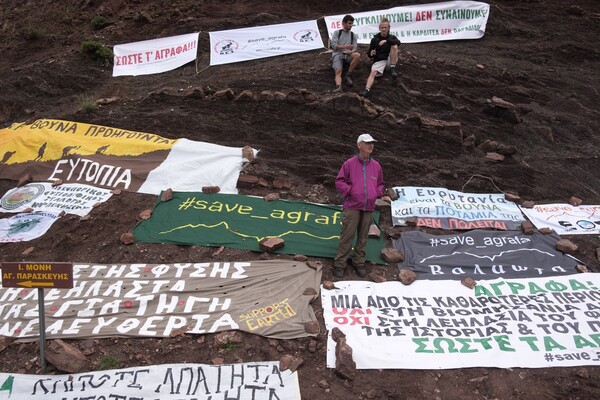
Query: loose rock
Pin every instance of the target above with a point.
(468, 282)
(344, 363)
(566, 246)
(210, 189)
(494, 156)
(581, 268)
(407, 276)
(374, 231)
(271, 197)
(528, 204)
(575, 201)
(247, 180)
(66, 357)
(314, 264)
(376, 277)
(127, 238)
(328, 285)
(146, 214)
(166, 195)
(527, 228)
(392, 255)
(271, 244)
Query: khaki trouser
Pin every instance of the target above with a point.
(353, 222)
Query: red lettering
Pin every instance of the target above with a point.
(356, 321)
(424, 15)
(430, 222)
(446, 31)
(340, 311)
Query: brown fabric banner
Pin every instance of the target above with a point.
(266, 298)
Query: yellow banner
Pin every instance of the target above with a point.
(50, 140)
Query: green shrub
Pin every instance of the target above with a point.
(96, 51)
(86, 104)
(230, 346)
(99, 22)
(108, 362)
(34, 33)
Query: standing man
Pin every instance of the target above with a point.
(344, 44)
(360, 182)
(383, 50)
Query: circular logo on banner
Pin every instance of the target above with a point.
(20, 196)
(227, 46)
(305, 35)
(584, 224)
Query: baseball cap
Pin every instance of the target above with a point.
(365, 137)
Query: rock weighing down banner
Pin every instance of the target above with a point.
(565, 219)
(159, 300)
(115, 158)
(263, 41)
(242, 222)
(26, 227)
(531, 323)
(154, 56)
(71, 198)
(483, 255)
(247, 381)
(448, 209)
(448, 20)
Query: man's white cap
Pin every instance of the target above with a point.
(365, 137)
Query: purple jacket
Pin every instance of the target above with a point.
(361, 183)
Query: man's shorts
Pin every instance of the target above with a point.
(381, 66)
(339, 59)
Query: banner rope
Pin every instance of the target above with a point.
(481, 176)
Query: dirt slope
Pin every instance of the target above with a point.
(541, 56)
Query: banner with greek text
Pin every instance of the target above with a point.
(565, 219)
(448, 209)
(71, 198)
(263, 41)
(267, 298)
(243, 221)
(26, 227)
(448, 20)
(480, 254)
(114, 158)
(246, 381)
(525, 323)
(154, 56)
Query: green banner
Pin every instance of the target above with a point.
(243, 221)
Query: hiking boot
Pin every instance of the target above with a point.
(393, 74)
(349, 81)
(338, 89)
(360, 270)
(338, 272)
(364, 93)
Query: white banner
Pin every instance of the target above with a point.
(191, 165)
(531, 323)
(26, 227)
(449, 209)
(565, 219)
(247, 381)
(421, 23)
(71, 198)
(263, 41)
(154, 56)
